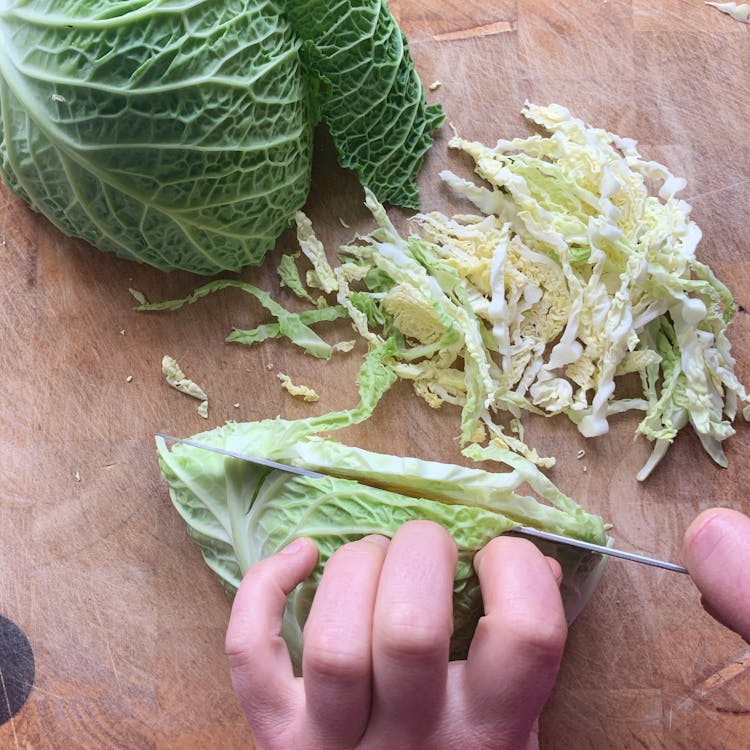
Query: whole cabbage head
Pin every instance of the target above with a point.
(179, 132)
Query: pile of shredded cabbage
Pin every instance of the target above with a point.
(578, 268)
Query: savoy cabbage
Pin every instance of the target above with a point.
(240, 512)
(179, 133)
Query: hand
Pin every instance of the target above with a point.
(375, 665)
(717, 554)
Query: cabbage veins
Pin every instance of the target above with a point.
(240, 512)
(179, 132)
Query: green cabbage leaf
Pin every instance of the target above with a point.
(179, 133)
(240, 512)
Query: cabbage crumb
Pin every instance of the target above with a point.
(138, 296)
(344, 346)
(176, 378)
(298, 391)
(739, 12)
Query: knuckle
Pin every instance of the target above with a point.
(260, 581)
(407, 637)
(261, 575)
(433, 531)
(500, 546)
(236, 644)
(541, 640)
(238, 663)
(240, 647)
(241, 640)
(355, 553)
(330, 663)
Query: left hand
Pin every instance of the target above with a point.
(375, 666)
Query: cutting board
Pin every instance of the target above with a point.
(124, 620)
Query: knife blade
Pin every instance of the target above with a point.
(520, 529)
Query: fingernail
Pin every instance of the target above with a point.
(379, 539)
(294, 547)
(706, 534)
(556, 569)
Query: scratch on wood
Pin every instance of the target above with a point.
(107, 646)
(31, 267)
(730, 672)
(721, 189)
(488, 29)
(6, 697)
(43, 691)
(733, 711)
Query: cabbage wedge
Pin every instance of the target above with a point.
(239, 512)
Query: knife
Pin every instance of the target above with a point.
(520, 529)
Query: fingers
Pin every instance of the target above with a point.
(516, 651)
(716, 550)
(337, 663)
(412, 626)
(259, 661)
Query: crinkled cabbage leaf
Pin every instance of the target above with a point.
(180, 133)
(240, 512)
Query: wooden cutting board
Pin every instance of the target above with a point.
(125, 621)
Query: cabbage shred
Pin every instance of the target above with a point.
(577, 269)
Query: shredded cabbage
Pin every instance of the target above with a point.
(579, 269)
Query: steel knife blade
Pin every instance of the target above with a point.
(520, 529)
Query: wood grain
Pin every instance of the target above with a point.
(125, 620)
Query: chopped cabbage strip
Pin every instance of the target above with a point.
(292, 325)
(737, 11)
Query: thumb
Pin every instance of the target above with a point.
(716, 550)
(533, 741)
(260, 664)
